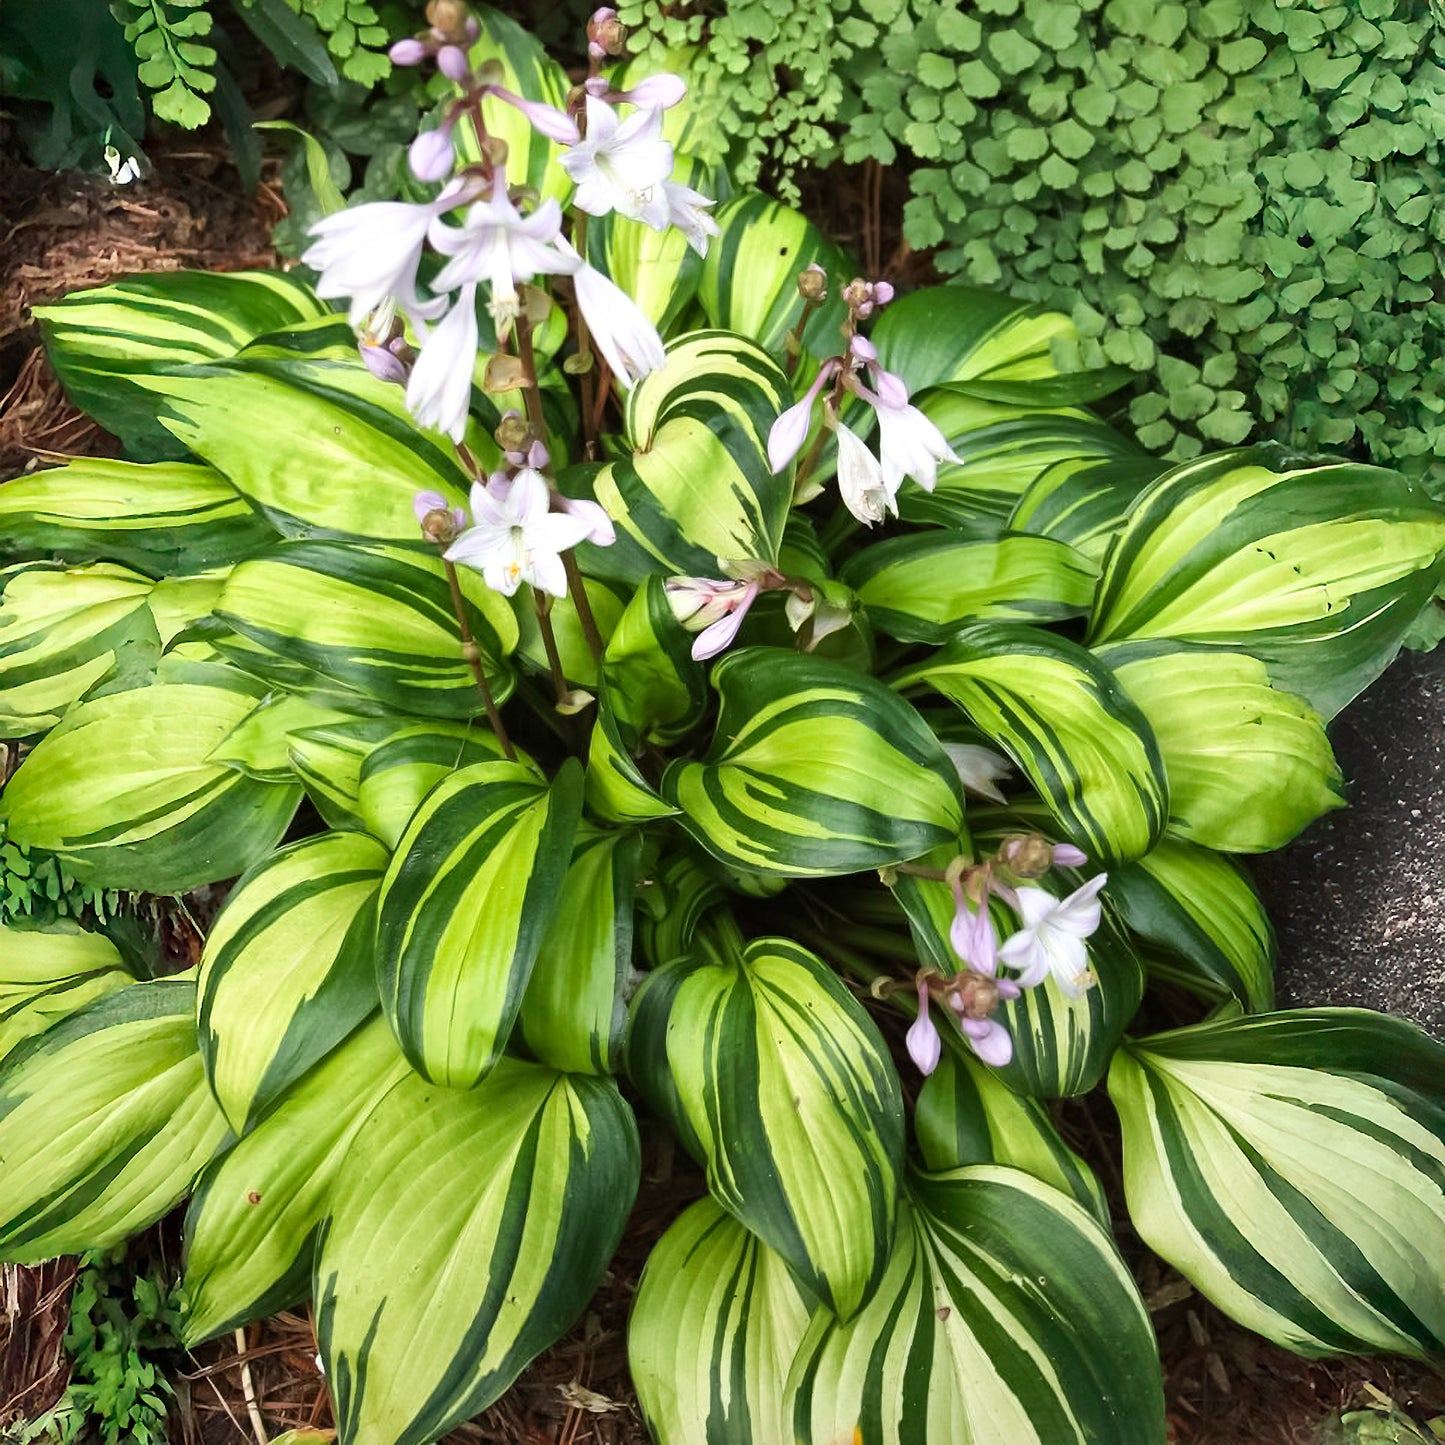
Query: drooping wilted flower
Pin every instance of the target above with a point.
(628, 341)
(861, 483)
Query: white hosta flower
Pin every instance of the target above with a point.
(621, 165)
(627, 340)
(1051, 940)
(687, 210)
(980, 769)
(370, 253)
(861, 482)
(439, 390)
(497, 244)
(515, 537)
(909, 445)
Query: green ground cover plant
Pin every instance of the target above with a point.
(631, 662)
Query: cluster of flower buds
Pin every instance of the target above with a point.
(909, 444)
(1049, 941)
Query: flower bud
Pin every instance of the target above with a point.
(448, 18)
(512, 432)
(855, 293)
(504, 373)
(1030, 855)
(973, 995)
(384, 364)
(431, 156)
(605, 32)
(410, 51)
(440, 523)
(813, 283)
(452, 62)
(882, 293)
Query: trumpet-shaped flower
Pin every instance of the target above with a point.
(979, 769)
(439, 391)
(515, 537)
(861, 481)
(620, 165)
(1051, 940)
(711, 608)
(627, 340)
(687, 210)
(925, 1047)
(909, 445)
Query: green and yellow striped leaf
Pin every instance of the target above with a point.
(260, 744)
(1003, 450)
(468, 1229)
(1006, 1315)
(1075, 733)
(985, 345)
(750, 277)
(287, 970)
(1062, 1045)
(50, 973)
(463, 910)
(254, 1216)
(1084, 500)
(104, 340)
(573, 1015)
(677, 896)
(158, 817)
(63, 633)
(105, 1120)
(617, 790)
(351, 460)
(1292, 1167)
(1249, 765)
(327, 759)
(364, 626)
(527, 70)
(1316, 570)
(657, 269)
(788, 1088)
(656, 691)
(965, 1115)
(714, 1329)
(814, 769)
(400, 771)
(697, 485)
(164, 519)
(1200, 910)
(923, 588)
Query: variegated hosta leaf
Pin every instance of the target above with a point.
(63, 633)
(750, 276)
(965, 1115)
(527, 70)
(1249, 765)
(655, 689)
(789, 1090)
(1316, 570)
(260, 744)
(253, 1218)
(48, 974)
(105, 1120)
(573, 1015)
(1292, 1166)
(923, 588)
(163, 519)
(103, 341)
(1062, 1045)
(1003, 449)
(1006, 1315)
(697, 485)
(573, 648)
(328, 757)
(814, 769)
(463, 909)
(366, 626)
(713, 1331)
(1064, 719)
(352, 459)
(287, 970)
(157, 817)
(617, 789)
(1200, 909)
(986, 346)
(398, 773)
(468, 1229)
(657, 269)
(678, 895)
(1084, 501)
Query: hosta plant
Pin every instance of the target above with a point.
(656, 669)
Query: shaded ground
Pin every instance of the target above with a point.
(1358, 903)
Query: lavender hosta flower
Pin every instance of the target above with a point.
(712, 608)
(497, 244)
(979, 769)
(1067, 856)
(989, 1039)
(1051, 940)
(790, 431)
(628, 341)
(515, 536)
(925, 1047)
(431, 156)
(547, 120)
(620, 165)
(601, 532)
(439, 391)
(861, 481)
(972, 933)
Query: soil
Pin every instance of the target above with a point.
(1357, 904)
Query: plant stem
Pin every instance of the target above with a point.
(473, 655)
(549, 642)
(810, 462)
(531, 392)
(584, 348)
(583, 604)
